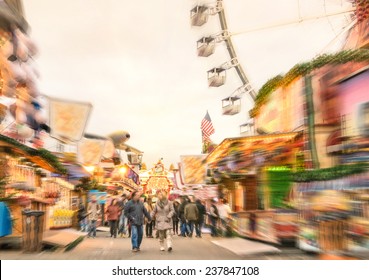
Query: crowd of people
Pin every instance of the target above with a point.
(134, 215)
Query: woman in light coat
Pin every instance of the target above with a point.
(163, 213)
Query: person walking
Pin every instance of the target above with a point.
(93, 212)
(182, 218)
(122, 219)
(175, 218)
(113, 212)
(224, 215)
(213, 217)
(191, 216)
(82, 217)
(148, 224)
(135, 212)
(201, 218)
(163, 213)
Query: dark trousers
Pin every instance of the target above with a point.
(184, 230)
(213, 222)
(148, 228)
(198, 227)
(175, 226)
(191, 227)
(113, 228)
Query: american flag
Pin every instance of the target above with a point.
(207, 128)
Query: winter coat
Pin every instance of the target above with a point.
(113, 212)
(191, 212)
(93, 210)
(181, 211)
(214, 212)
(175, 217)
(202, 212)
(163, 215)
(135, 212)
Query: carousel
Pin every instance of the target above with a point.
(156, 179)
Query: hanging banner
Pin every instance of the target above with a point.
(68, 119)
(90, 151)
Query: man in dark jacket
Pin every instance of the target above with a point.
(135, 211)
(201, 219)
(82, 214)
(182, 219)
(192, 216)
(213, 216)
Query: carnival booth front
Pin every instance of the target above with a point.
(254, 175)
(334, 209)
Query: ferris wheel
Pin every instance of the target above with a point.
(337, 16)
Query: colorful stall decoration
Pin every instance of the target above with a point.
(194, 169)
(126, 176)
(157, 178)
(101, 197)
(61, 218)
(245, 154)
(334, 211)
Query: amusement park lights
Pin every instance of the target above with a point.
(89, 169)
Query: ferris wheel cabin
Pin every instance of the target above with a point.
(205, 46)
(216, 77)
(231, 105)
(199, 15)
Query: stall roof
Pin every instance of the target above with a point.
(268, 141)
(41, 157)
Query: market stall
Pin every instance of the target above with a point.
(254, 175)
(23, 167)
(333, 206)
(59, 193)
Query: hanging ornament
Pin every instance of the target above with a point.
(40, 116)
(24, 132)
(27, 41)
(20, 116)
(15, 71)
(33, 89)
(22, 51)
(20, 104)
(8, 91)
(7, 49)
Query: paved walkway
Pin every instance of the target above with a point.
(206, 248)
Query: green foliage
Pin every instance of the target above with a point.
(332, 173)
(74, 244)
(85, 185)
(302, 69)
(42, 153)
(88, 184)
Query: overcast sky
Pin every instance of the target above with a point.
(136, 62)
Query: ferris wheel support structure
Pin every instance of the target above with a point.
(232, 53)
